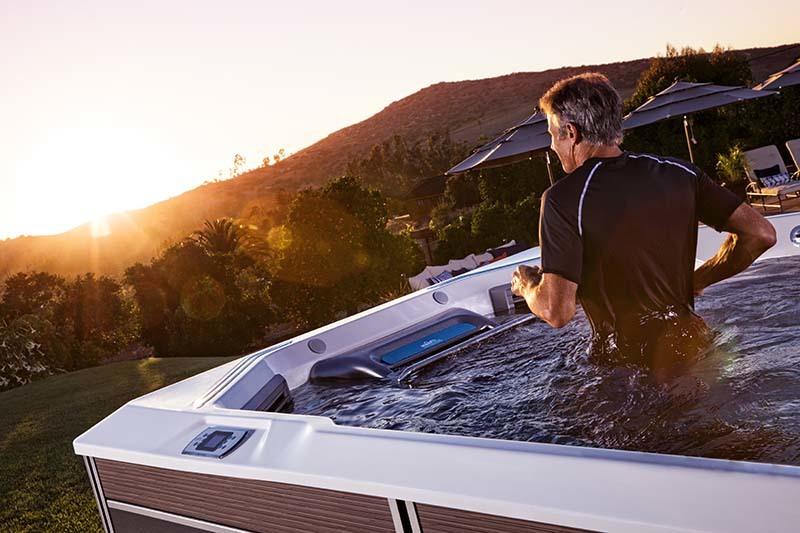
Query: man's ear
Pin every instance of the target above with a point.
(573, 133)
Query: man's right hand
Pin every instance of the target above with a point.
(525, 278)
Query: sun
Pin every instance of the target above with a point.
(76, 175)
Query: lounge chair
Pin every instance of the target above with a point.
(438, 273)
(768, 177)
(794, 150)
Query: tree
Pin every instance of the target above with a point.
(21, 356)
(340, 255)
(29, 293)
(220, 236)
(203, 296)
(462, 190)
(395, 165)
(721, 66)
(766, 121)
(716, 129)
(455, 240)
(492, 225)
(489, 225)
(512, 183)
(749, 124)
(239, 163)
(68, 325)
(156, 302)
(509, 209)
(100, 317)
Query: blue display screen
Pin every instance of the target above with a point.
(424, 344)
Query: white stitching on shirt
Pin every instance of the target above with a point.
(664, 161)
(583, 194)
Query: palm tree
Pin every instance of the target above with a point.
(220, 236)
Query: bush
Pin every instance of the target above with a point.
(509, 209)
(490, 225)
(340, 257)
(731, 166)
(203, 296)
(21, 356)
(462, 190)
(754, 123)
(68, 325)
(455, 240)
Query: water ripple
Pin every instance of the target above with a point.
(533, 383)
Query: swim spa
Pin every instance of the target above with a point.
(227, 450)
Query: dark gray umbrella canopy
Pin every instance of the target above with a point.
(531, 136)
(785, 78)
(683, 98)
(515, 144)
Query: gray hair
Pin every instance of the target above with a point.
(590, 103)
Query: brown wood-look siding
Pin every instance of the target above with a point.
(443, 520)
(259, 506)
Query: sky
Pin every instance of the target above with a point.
(109, 106)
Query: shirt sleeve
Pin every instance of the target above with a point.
(561, 245)
(715, 204)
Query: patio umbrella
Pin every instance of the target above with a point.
(785, 78)
(515, 144)
(683, 98)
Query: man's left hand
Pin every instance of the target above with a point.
(524, 279)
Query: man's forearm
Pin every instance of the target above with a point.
(750, 236)
(531, 298)
(556, 306)
(735, 255)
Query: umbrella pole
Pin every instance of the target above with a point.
(549, 170)
(688, 139)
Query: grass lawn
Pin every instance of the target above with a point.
(43, 484)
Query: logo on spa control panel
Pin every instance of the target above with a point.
(431, 342)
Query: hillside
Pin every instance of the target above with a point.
(468, 109)
(472, 109)
(131, 236)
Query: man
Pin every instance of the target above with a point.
(619, 232)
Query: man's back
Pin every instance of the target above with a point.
(619, 233)
(625, 230)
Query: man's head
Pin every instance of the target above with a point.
(584, 113)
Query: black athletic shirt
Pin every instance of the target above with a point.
(625, 230)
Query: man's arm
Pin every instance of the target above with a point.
(549, 296)
(750, 236)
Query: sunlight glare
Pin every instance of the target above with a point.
(81, 174)
(100, 227)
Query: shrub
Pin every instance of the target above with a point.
(340, 257)
(21, 356)
(731, 166)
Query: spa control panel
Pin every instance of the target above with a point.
(504, 302)
(216, 441)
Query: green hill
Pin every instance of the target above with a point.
(43, 484)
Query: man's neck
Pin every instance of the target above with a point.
(596, 150)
